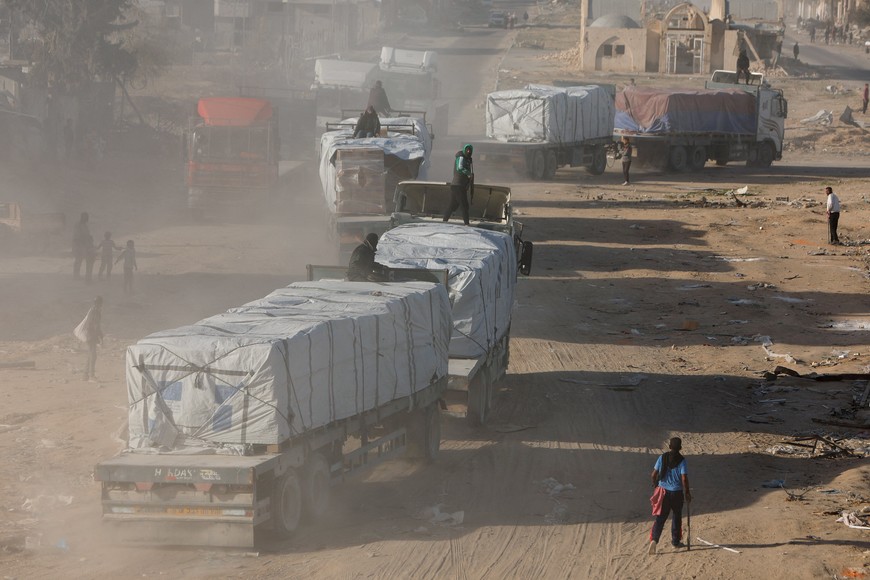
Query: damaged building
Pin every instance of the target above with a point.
(678, 39)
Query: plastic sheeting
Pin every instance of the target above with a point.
(482, 270)
(403, 152)
(300, 358)
(661, 111)
(343, 73)
(545, 114)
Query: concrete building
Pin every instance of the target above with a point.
(619, 44)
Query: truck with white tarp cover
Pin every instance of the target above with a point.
(537, 129)
(680, 129)
(482, 270)
(242, 421)
(358, 176)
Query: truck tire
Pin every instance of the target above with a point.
(765, 155)
(537, 165)
(678, 158)
(286, 504)
(552, 165)
(479, 399)
(424, 433)
(599, 161)
(315, 487)
(697, 158)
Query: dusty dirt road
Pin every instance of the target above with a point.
(639, 323)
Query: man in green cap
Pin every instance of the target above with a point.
(463, 175)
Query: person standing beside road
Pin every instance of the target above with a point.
(627, 150)
(128, 254)
(796, 50)
(833, 213)
(90, 332)
(378, 99)
(463, 177)
(670, 481)
(107, 248)
(866, 97)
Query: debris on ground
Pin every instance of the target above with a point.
(823, 118)
(859, 520)
(437, 517)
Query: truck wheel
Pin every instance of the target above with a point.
(599, 161)
(424, 433)
(476, 407)
(551, 166)
(286, 504)
(678, 158)
(537, 165)
(315, 487)
(698, 158)
(765, 155)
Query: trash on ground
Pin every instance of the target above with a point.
(743, 302)
(760, 285)
(854, 520)
(774, 483)
(766, 343)
(789, 299)
(554, 488)
(436, 516)
(823, 117)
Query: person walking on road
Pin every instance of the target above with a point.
(627, 151)
(107, 248)
(796, 50)
(833, 212)
(866, 97)
(670, 482)
(90, 332)
(463, 177)
(83, 248)
(128, 254)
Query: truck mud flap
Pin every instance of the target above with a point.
(168, 532)
(525, 261)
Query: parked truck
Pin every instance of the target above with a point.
(359, 176)
(231, 152)
(538, 129)
(241, 422)
(726, 121)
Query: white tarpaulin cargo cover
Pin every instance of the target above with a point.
(544, 114)
(399, 147)
(343, 73)
(300, 358)
(482, 270)
(405, 60)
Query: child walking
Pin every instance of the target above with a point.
(129, 256)
(107, 249)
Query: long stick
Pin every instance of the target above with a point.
(689, 526)
(712, 545)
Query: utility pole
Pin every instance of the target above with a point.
(584, 14)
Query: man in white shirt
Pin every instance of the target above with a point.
(833, 211)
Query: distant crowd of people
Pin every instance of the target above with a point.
(85, 253)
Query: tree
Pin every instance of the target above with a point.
(76, 41)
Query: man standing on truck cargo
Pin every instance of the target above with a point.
(463, 177)
(743, 66)
(833, 212)
(378, 99)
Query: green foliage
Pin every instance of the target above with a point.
(74, 42)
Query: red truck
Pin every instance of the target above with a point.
(231, 151)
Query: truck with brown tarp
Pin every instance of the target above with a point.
(680, 129)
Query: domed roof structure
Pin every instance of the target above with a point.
(614, 21)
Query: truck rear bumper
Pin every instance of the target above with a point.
(171, 531)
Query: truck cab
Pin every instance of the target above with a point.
(771, 108)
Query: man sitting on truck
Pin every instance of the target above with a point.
(362, 267)
(368, 124)
(463, 176)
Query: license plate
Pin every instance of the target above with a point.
(189, 511)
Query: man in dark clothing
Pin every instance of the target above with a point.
(362, 262)
(670, 474)
(743, 66)
(796, 50)
(463, 176)
(368, 124)
(378, 99)
(83, 248)
(866, 98)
